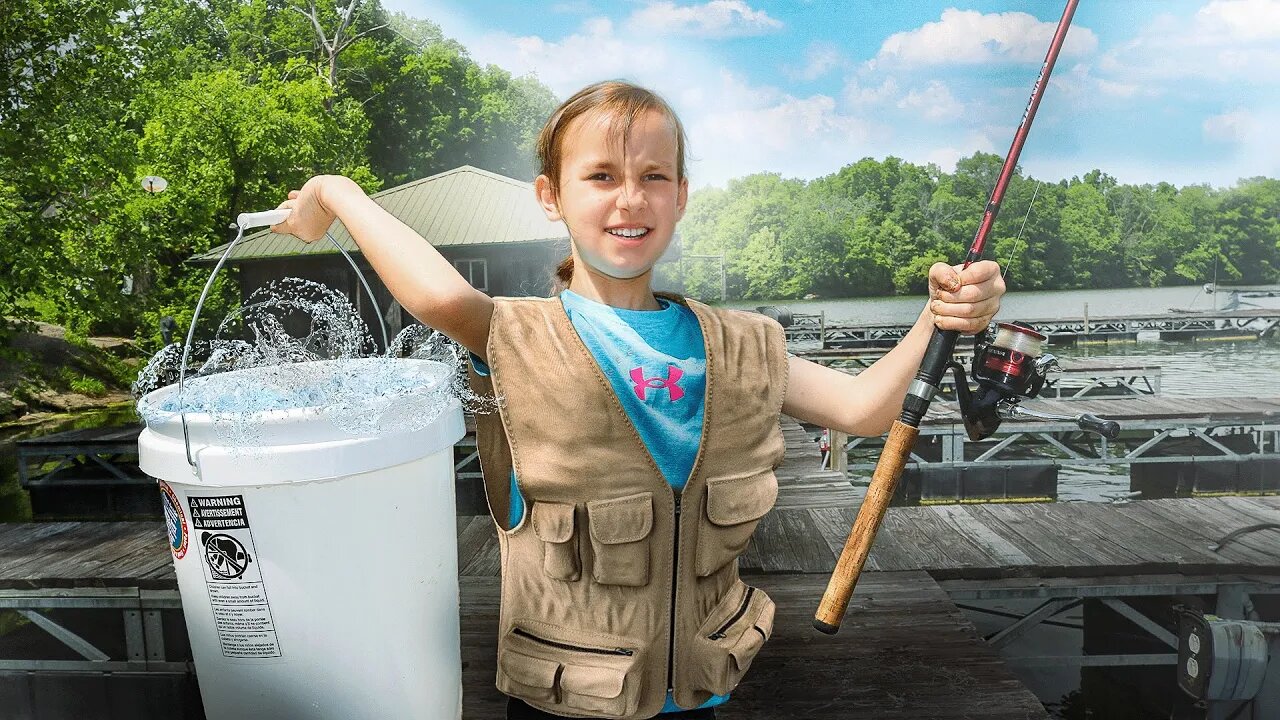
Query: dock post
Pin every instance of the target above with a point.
(1086, 319)
(839, 458)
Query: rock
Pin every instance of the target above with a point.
(11, 407)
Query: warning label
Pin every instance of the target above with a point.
(237, 592)
(222, 512)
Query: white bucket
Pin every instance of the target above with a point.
(319, 573)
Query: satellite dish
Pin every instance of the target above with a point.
(154, 184)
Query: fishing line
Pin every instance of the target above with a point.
(1014, 250)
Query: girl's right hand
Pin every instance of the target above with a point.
(309, 219)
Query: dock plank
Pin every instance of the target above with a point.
(1209, 520)
(835, 523)
(998, 550)
(874, 668)
(1045, 544)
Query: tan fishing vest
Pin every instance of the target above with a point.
(596, 574)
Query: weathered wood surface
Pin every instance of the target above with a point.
(114, 435)
(85, 554)
(802, 483)
(947, 541)
(994, 541)
(904, 652)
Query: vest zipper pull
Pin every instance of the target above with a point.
(677, 505)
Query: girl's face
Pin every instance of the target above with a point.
(621, 207)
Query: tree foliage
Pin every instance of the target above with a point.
(234, 102)
(875, 227)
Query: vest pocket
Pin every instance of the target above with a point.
(734, 508)
(553, 524)
(619, 539)
(730, 638)
(584, 672)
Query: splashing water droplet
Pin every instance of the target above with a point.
(310, 352)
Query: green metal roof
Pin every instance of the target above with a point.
(463, 206)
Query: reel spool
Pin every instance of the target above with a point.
(1007, 369)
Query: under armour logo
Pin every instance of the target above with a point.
(642, 383)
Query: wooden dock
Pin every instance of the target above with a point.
(906, 649)
(86, 474)
(1075, 379)
(907, 652)
(1238, 435)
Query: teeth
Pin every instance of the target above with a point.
(628, 232)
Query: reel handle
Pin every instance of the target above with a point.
(1109, 429)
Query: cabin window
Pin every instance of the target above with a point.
(475, 270)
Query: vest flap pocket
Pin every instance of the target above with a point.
(601, 682)
(589, 673)
(619, 530)
(744, 651)
(531, 671)
(734, 508)
(731, 501)
(623, 520)
(553, 522)
(730, 638)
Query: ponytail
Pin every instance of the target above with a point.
(563, 274)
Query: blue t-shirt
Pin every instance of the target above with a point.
(657, 364)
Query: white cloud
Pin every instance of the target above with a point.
(820, 59)
(1225, 41)
(945, 157)
(715, 19)
(596, 52)
(970, 37)
(745, 129)
(1241, 20)
(734, 127)
(1116, 89)
(934, 102)
(1233, 127)
(856, 94)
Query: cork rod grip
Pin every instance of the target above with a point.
(897, 449)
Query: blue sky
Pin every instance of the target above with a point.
(1181, 90)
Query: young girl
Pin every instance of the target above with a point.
(634, 450)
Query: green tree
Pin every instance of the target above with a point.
(1090, 231)
(68, 72)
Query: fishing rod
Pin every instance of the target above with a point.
(1006, 369)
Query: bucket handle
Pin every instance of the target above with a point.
(243, 222)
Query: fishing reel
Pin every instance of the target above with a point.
(1007, 369)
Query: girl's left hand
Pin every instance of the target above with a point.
(967, 299)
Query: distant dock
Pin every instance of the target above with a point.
(812, 331)
(1173, 447)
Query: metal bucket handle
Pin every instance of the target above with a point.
(243, 222)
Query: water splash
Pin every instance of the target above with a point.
(296, 326)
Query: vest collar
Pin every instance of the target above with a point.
(568, 331)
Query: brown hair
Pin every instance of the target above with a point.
(626, 103)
